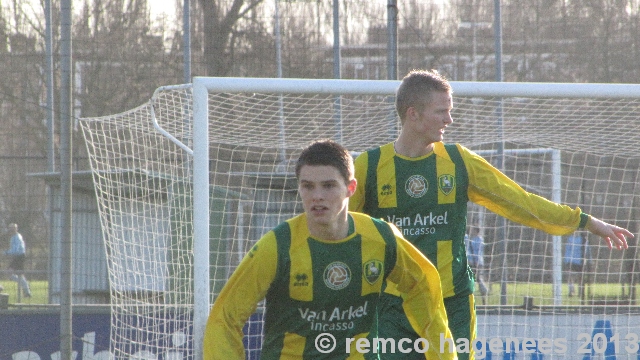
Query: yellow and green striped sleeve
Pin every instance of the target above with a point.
(238, 300)
(418, 283)
(492, 189)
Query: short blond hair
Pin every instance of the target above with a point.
(416, 88)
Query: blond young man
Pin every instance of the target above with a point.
(418, 177)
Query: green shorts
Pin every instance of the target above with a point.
(393, 323)
(461, 312)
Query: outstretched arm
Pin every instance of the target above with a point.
(609, 233)
(494, 190)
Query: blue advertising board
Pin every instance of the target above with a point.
(34, 335)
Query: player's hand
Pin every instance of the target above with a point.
(610, 233)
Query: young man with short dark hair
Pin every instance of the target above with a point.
(322, 273)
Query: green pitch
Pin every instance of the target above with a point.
(39, 292)
(542, 294)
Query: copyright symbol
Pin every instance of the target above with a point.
(325, 343)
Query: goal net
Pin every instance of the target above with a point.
(189, 182)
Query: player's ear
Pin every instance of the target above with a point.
(412, 113)
(351, 187)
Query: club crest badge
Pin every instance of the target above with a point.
(416, 186)
(446, 183)
(337, 275)
(372, 270)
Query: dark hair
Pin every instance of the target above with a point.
(328, 153)
(415, 87)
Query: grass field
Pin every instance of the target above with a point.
(542, 294)
(39, 292)
(516, 292)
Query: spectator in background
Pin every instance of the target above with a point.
(475, 258)
(576, 256)
(17, 251)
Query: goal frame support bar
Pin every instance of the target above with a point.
(388, 87)
(202, 86)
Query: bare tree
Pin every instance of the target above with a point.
(222, 22)
(23, 135)
(304, 30)
(119, 61)
(609, 39)
(571, 40)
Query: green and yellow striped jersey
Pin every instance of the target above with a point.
(426, 197)
(313, 286)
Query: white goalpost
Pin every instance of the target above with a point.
(187, 183)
